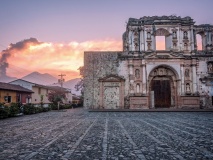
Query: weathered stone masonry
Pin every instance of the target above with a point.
(142, 77)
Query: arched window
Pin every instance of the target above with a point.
(160, 43)
(199, 42)
(163, 39)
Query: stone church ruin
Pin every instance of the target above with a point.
(142, 77)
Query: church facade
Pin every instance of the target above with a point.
(143, 77)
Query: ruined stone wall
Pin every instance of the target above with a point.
(204, 78)
(97, 65)
(123, 71)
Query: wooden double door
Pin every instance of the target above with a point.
(162, 93)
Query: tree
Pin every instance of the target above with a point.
(56, 96)
(80, 85)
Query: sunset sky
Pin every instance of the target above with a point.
(50, 36)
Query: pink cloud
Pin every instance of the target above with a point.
(55, 58)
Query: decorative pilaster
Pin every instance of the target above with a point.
(130, 39)
(142, 39)
(194, 78)
(192, 38)
(144, 77)
(182, 79)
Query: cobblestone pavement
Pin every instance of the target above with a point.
(79, 134)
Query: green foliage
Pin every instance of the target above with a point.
(66, 106)
(4, 111)
(62, 106)
(14, 109)
(53, 106)
(29, 109)
(46, 109)
(11, 110)
(56, 96)
(42, 98)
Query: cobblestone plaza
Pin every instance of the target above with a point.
(79, 134)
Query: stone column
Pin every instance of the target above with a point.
(143, 77)
(101, 95)
(194, 78)
(182, 79)
(181, 40)
(145, 40)
(192, 38)
(131, 81)
(122, 95)
(142, 40)
(152, 99)
(153, 47)
(130, 40)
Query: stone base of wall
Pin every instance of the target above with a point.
(189, 102)
(139, 103)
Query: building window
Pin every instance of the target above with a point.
(199, 42)
(160, 43)
(7, 99)
(39, 90)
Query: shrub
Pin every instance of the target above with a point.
(38, 109)
(46, 109)
(14, 109)
(29, 109)
(4, 111)
(65, 106)
(53, 106)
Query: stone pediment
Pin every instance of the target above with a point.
(164, 55)
(111, 78)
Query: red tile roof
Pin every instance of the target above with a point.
(13, 87)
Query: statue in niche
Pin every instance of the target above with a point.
(149, 46)
(137, 73)
(174, 34)
(210, 67)
(138, 88)
(187, 73)
(185, 46)
(131, 87)
(188, 87)
(174, 45)
(148, 35)
(185, 34)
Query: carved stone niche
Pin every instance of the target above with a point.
(187, 74)
(188, 88)
(111, 92)
(161, 71)
(210, 67)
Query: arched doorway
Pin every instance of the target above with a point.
(163, 82)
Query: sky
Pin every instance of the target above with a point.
(50, 36)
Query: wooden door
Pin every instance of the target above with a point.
(162, 93)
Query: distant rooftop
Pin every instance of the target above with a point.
(13, 87)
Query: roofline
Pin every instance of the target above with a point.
(16, 90)
(22, 80)
(39, 85)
